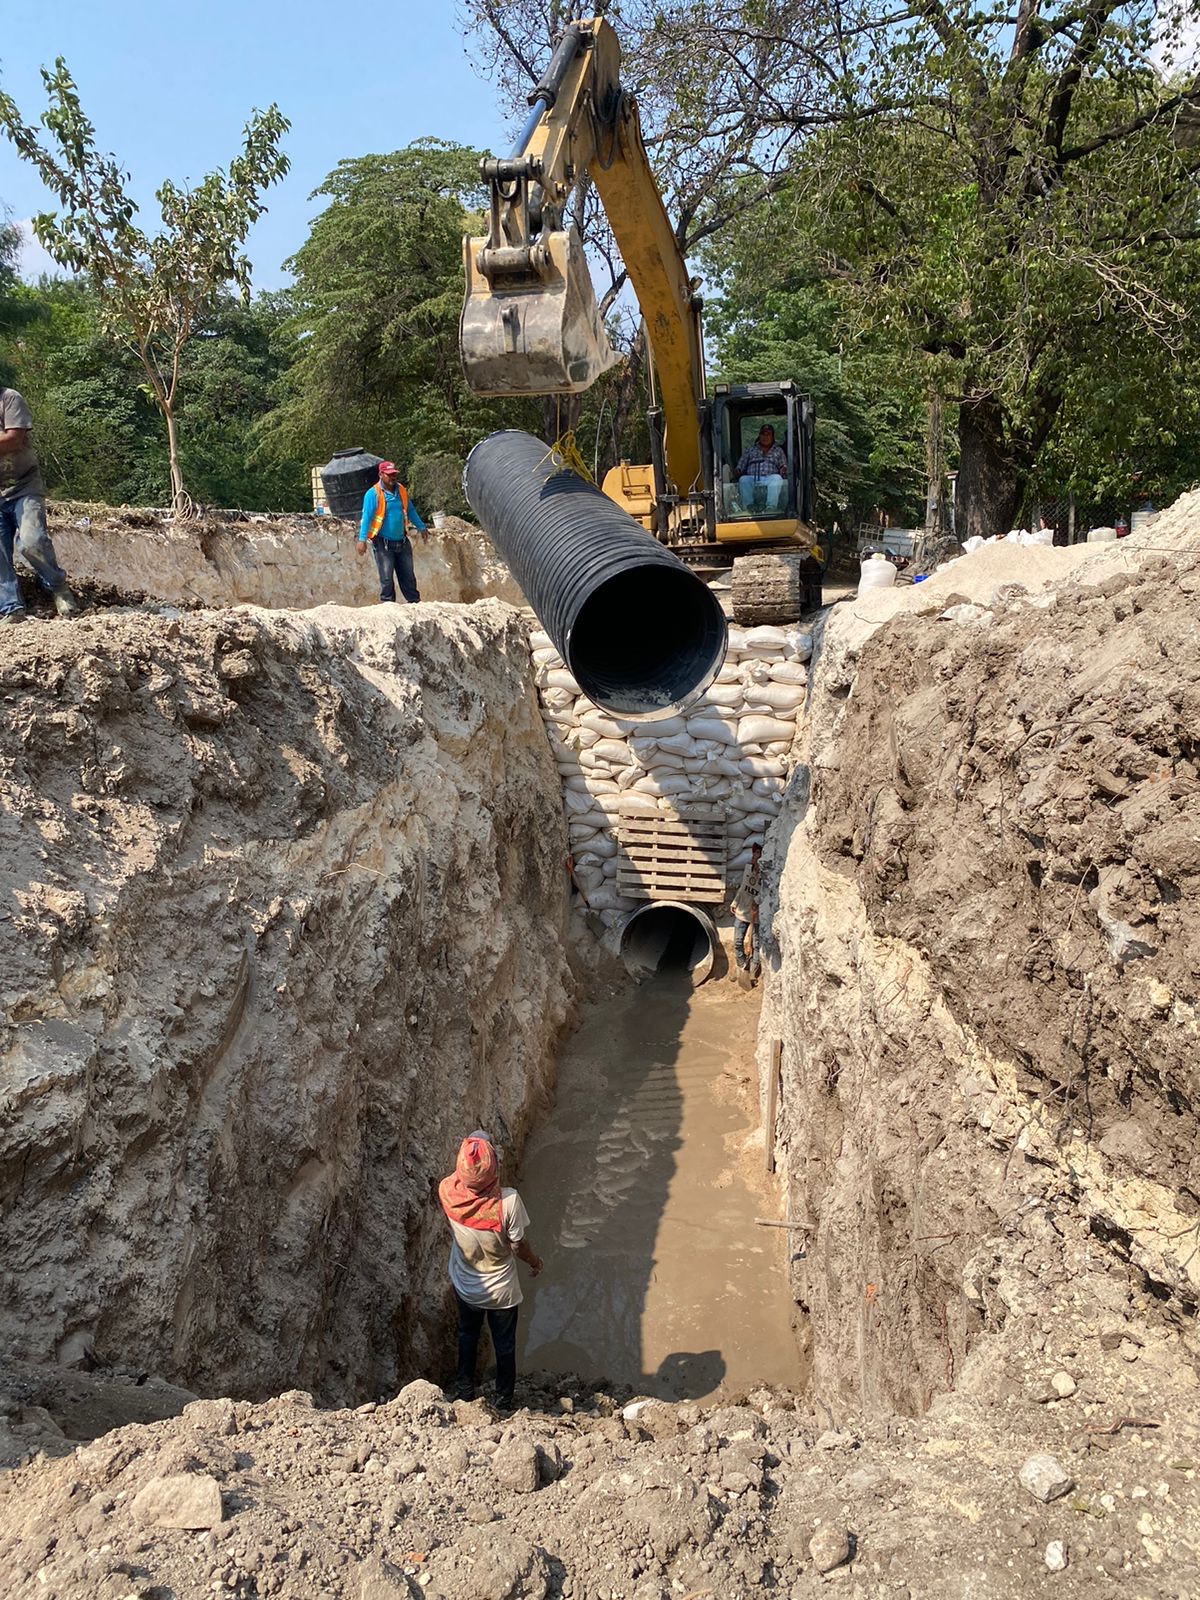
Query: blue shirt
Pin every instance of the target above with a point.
(393, 515)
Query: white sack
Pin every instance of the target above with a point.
(720, 732)
(762, 730)
(560, 678)
(788, 672)
(614, 751)
(722, 694)
(539, 640)
(762, 767)
(664, 784)
(558, 699)
(600, 723)
(766, 640)
(786, 698)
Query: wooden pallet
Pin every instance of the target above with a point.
(678, 855)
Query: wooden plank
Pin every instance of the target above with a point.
(700, 896)
(664, 872)
(773, 1101)
(674, 830)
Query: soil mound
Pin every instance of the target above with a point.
(282, 915)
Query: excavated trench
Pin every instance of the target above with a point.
(218, 1167)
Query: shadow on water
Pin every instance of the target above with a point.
(596, 1181)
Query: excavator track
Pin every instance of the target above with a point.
(774, 587)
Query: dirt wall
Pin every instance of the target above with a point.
(982, 965)
(283, 916)
(284, 562)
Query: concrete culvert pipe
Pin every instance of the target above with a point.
(666, 936)
(642, 634)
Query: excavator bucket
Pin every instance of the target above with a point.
(531, 327)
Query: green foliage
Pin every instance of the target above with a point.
(1017, 208)
(435, 482)
(97, 428)
(772, 323)
(377, 298)
(151, 290)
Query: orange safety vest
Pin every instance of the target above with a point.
(380, 510)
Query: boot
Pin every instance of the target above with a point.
(65, 603)
(11, 618)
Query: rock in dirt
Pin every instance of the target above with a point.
(516, 1466)
(1056, 1556)
(184, 1500)
(509, 1568)
(1044, 1478)
(829, 1548)
(212, 1416)
(1063, 1384)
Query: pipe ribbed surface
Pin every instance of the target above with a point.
(642, 634)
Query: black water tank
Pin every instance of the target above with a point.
(347, 478)
(643, 635)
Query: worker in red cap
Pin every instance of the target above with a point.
(387, 523)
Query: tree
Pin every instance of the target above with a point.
(1006, 191)
(151, 291)
(376, 303)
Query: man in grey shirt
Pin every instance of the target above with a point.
(23, 515)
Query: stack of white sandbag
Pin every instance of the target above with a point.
(732, 749)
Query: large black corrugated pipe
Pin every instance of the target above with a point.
(642, 634)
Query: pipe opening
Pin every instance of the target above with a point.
(647, 642)
(668, 936)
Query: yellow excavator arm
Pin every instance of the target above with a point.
(530, 322)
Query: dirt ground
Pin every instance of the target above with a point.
(587, 1495)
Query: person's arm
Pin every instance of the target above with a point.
(414, 518)
(743, 463)
(365, 523)
(15, 423)
(525, 1252)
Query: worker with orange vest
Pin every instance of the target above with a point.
(387, 521)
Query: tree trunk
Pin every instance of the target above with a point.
(990, 481)
(179, 497)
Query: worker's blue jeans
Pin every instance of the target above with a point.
(502, 1325)
(773, 490)
(23, 526)
(746, 962)
(394, 560)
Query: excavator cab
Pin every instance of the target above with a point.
(770, 487)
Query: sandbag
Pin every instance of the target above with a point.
(766, 640)
(779, 697)
(599, 723)
(767, 805)
(681, 743)
(761, 767)
(564, 719)
(597, 785)
(762, 730)
(560, 678)
(788, 672)
(558, 699)
(584, 738)
(729, 673)
(767, 786)
(609, 867)
(648, 756)
(603, 846)
(799, 646)
(776, 747)
(539, 640)
(638, 805)
(667, 783)
(718, 731)
(736, 641)
(721, 694)
(593, 819)
(614, 751)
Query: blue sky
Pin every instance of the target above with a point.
(169, 86)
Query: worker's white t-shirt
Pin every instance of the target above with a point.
(483, 1268)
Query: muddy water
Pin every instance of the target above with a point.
(643, 1187)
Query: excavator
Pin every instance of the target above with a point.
(531, 326)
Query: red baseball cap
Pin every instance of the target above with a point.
(387, 466)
